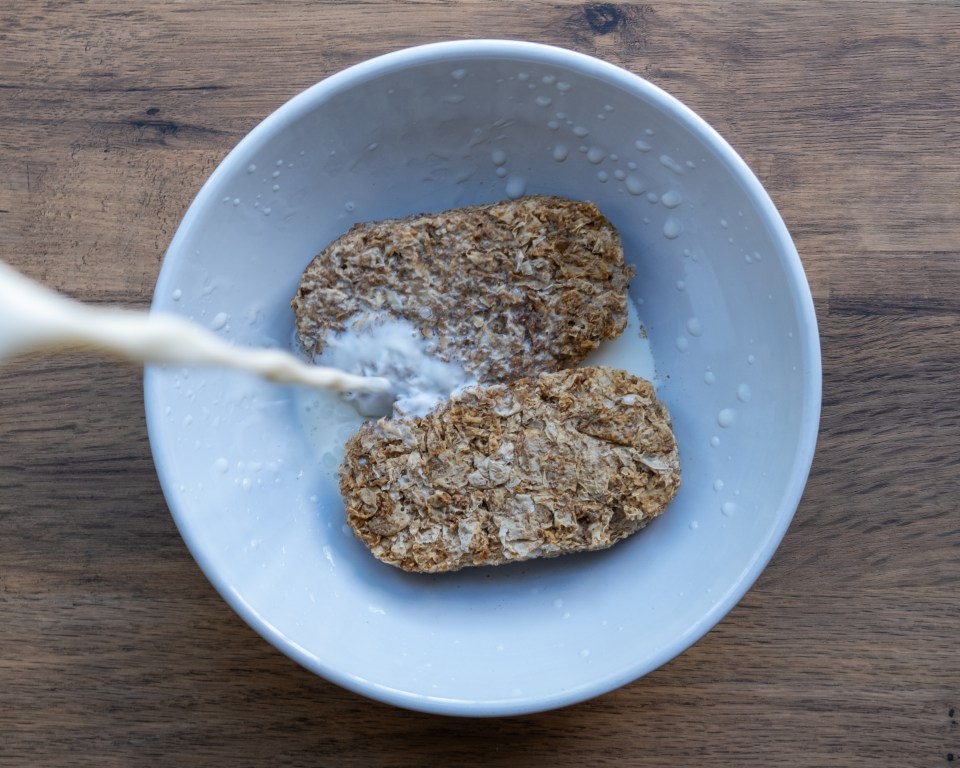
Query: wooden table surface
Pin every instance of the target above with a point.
(115, 650)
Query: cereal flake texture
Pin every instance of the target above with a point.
(509, 289)
(564, 462)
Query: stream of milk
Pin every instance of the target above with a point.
(33, 317)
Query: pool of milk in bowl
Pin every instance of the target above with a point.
(330, 422)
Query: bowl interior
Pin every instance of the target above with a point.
(719, 290)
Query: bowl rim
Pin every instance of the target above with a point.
(811, 372)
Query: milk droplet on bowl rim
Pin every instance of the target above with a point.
(596, 155)
(672, 228)
(671, 198)
(516, 186)
(727, 418)
(668, 162)
(635, 185)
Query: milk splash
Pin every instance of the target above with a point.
(377, 346)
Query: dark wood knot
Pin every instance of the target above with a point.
(603, 18)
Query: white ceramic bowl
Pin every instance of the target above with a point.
(719, 288)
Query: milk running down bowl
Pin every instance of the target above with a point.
(722, 298)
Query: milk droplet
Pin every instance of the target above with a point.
(718, 484)
(728, 508)
(681, 285)
(648, 131)
(672, 228)
(276, 187)
(632, 165)
(671, 199)
(723, 223)
(516, 186)
(751, 359)
(523, 77)
(349, 206)
(187, 420)
(603, 177)
(267, 211)
(642, 145)
(715, 441)
(595, 155)
(501, 172)
(635, 185)
(221, 465)
(275, 174)
(690, 164)
(743, 393)
(709, 377)
(251, 168)
(668, 162)
(563, 87)
(236, 201)
(694, 525)
(543, 101)
(560, 153)
(498, 156)
(619, 175)
(653, 197)
(219, 320)
(177, 294)
(580, 131)
(553, 125)
(682, 343)
(584, 653)
(558, 603)
(458, 74)
(548, 79)
(693, 327)
(726, 418)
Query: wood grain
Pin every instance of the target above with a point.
(114, 649)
